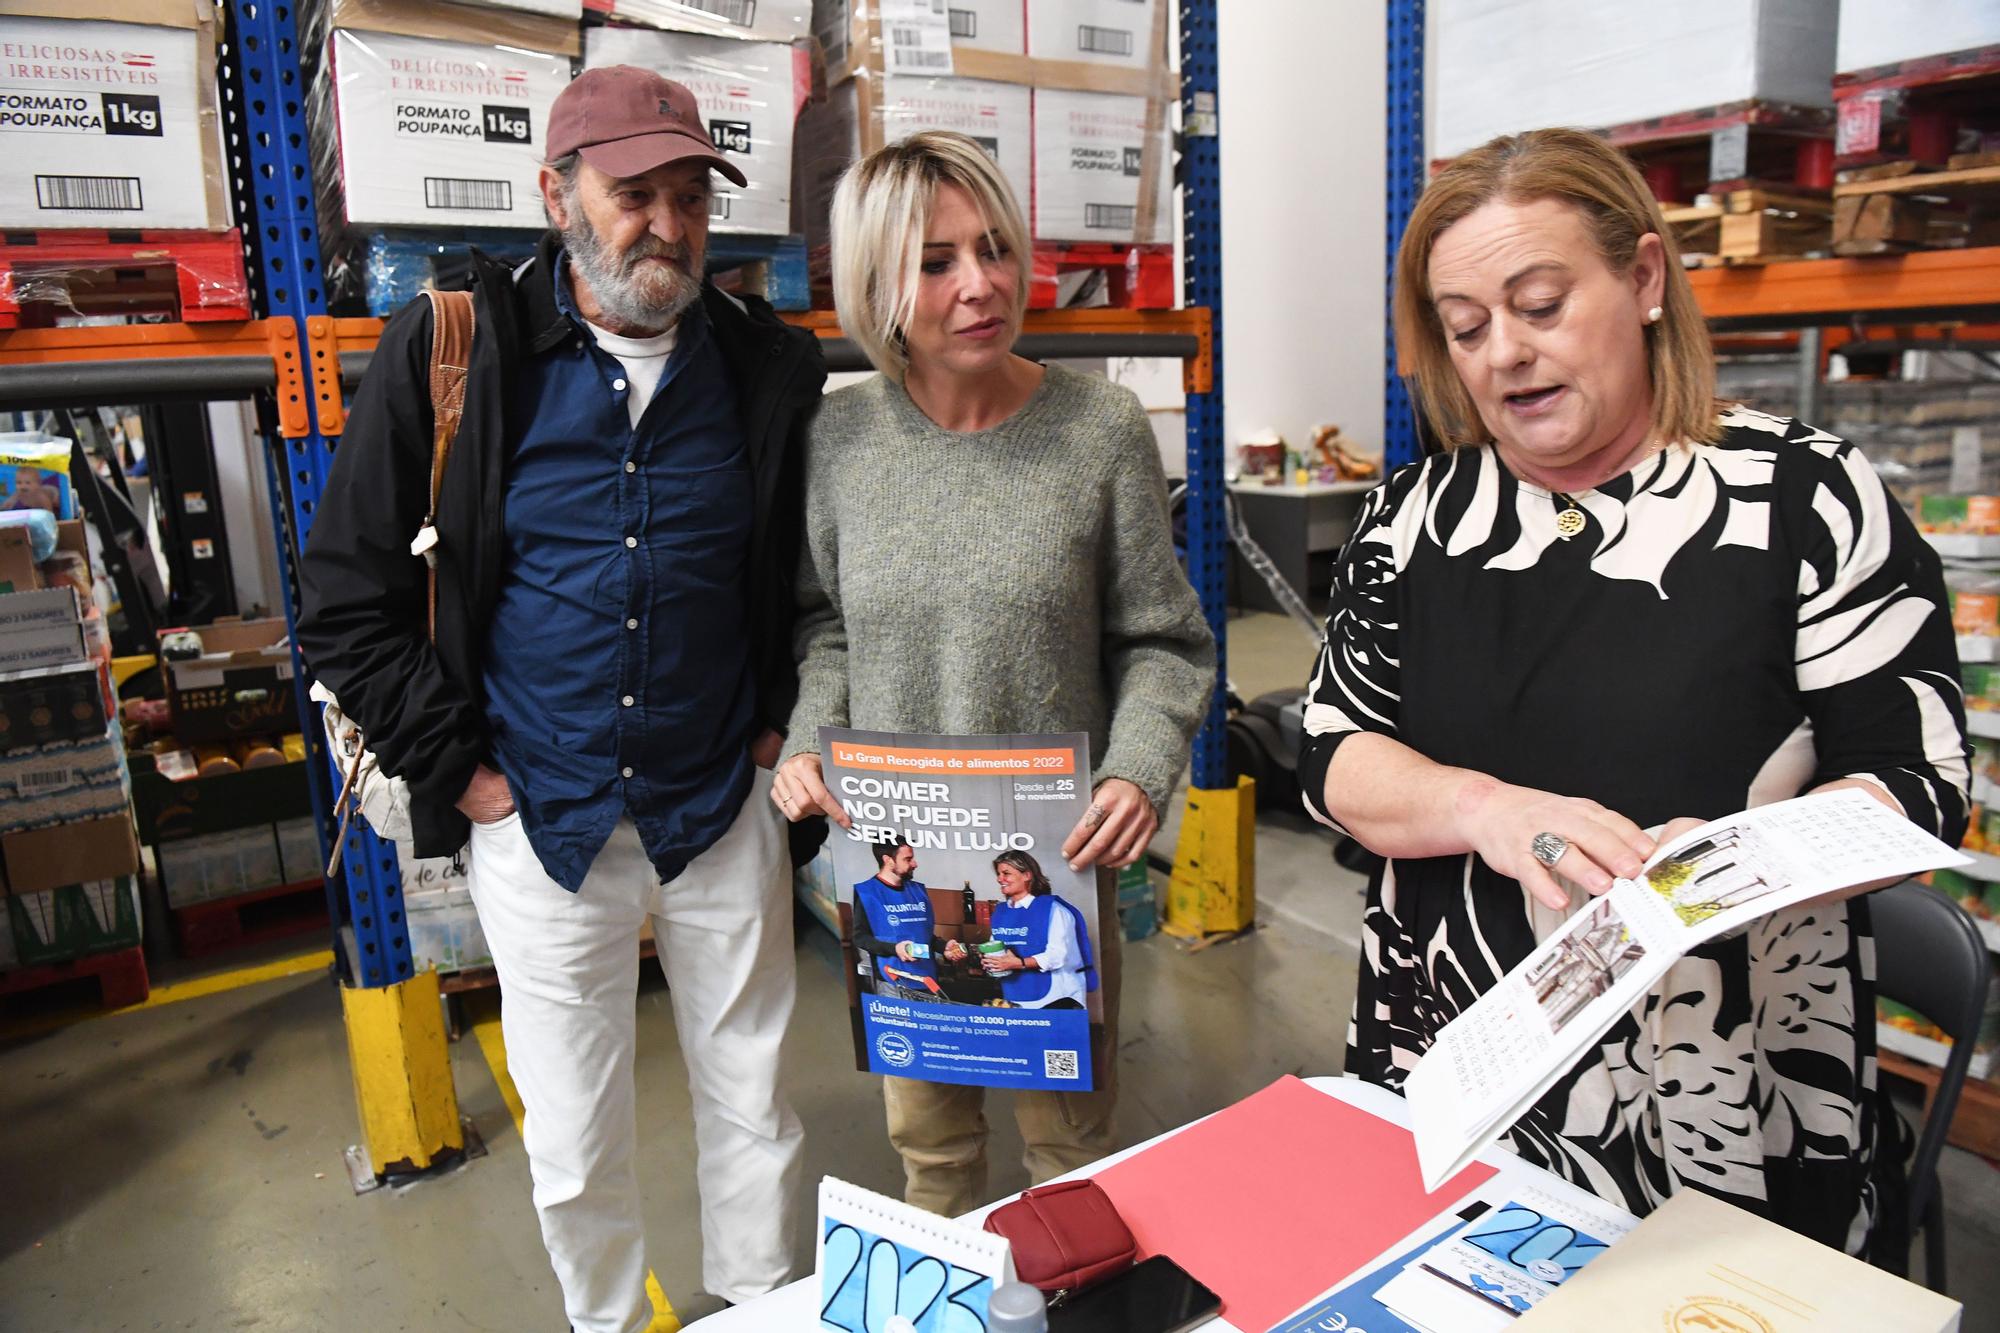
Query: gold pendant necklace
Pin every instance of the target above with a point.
(1569, 522)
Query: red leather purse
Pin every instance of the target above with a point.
(1065, 1236)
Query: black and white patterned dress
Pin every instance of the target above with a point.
(1737, 623)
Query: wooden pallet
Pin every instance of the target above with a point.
(1896, 207)
(1735, 146)
(249, 918)
(1975, 1126)
(108, 980)
(1752, 226)
(191, 275)
(1881, 113)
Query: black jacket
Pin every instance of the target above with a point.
(363, 595)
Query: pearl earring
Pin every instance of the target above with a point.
(1653, 315)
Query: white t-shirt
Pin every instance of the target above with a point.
(645, 361)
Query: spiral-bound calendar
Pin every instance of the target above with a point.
(885, 1267)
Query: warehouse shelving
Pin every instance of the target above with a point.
(1929, 284)
(298, 358)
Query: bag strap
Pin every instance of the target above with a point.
(452, 326)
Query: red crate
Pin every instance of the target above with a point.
(195, 276)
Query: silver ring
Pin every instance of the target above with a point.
(1548, 848)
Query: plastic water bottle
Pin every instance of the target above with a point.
(1017, 1308)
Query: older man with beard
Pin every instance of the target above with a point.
(598, 707)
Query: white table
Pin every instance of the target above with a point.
(793, 1307)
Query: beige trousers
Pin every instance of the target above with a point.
(940, 1128)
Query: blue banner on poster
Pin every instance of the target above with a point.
(949, 1043)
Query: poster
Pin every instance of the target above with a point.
(970, 945)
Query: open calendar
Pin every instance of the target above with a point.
(885, 1267)
(1510, 1046)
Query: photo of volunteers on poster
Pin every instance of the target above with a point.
(969, 942)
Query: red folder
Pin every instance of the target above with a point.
(1273, 1200)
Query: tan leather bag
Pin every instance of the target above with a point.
(382, 798)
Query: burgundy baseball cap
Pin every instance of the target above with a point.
(625, 121)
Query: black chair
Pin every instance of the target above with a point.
(1930, 957)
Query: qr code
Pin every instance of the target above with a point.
(1059, 1064)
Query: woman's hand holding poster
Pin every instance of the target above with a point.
(970, 944)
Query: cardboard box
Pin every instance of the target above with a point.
(169, 810)
(749, 94)
(864, 113)
(62, 784)
(41, 629)
(109, 115)
(444, 931)
(1874, 33)
(1503, 66)
(438, 133)
(219, 865)
(1100, 173)
(298, 851)
(49, 858)
(745, 20)
(850, 31)
(19, 571)
(1094, 32)
(40, 929)
(62, 705)
(55, 925)
(241, 685)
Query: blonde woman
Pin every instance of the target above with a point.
(986, 550)
(1607, 608)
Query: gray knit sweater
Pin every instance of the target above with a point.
(1018, 579)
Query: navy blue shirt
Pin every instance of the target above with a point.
(617, 661)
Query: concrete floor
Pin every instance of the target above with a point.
(180, 1168)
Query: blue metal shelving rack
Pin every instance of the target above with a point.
(264, 91)
(1405, 169)
(1201, 208)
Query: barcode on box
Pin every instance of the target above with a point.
(1110, 217)
(1104, 41)
(118, 194)
(54, 780)
(742, 13)
(964, 23)
(1060, 1064)
(718, 206)
(482, 196)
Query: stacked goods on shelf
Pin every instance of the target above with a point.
(67, 854)
(428, 123)
(113, 193)
(223, 799)
(1918, 137)
(745, 20)
(1725, 110)
(1070, 97)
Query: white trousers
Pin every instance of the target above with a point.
(569, 975)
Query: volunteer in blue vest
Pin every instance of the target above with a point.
(893, 924)
(1047, 963)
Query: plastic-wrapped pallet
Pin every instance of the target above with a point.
(1503, 66)
(850, 31)
(1874, 33)
(109, 115)
(864, 113)
(748, 92)
(746, 20)
(1101, 171)
(1095, 32)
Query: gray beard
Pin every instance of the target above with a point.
(651, 301)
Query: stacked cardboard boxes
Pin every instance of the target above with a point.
(1070, 97)
(67, 854)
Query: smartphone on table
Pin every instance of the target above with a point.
(1157, 1296)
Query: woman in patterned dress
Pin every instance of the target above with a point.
(1610, 607)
